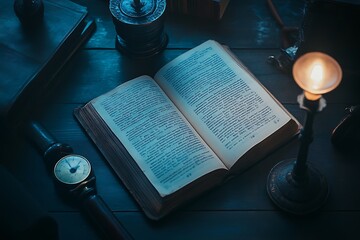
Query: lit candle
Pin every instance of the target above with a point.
(316, 73)
(316, 76)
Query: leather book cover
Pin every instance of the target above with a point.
(30, 57)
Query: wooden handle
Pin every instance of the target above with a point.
(101, 215)
(51, 149)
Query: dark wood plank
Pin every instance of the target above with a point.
(238, 209)
(251, 225)
(91, 73)
(223, 225)
(73, 225)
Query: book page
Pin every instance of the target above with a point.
(166, 148)
(226, 105)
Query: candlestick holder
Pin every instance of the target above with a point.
(294, 185)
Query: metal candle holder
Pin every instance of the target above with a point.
(294, 185)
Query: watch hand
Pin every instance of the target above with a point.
(74, 169)
(68, 163)
(78, 165)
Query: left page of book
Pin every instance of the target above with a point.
(166, 148)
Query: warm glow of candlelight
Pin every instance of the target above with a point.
(317, 76)
(317, 73)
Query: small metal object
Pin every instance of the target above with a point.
(289, 43)
(139, 26)
(285, 60)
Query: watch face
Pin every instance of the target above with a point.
(72, 169)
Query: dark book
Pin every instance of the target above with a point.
(30, 57)
(205, 9)
(200, 119)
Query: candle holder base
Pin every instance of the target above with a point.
(299, 196)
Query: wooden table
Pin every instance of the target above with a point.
(239, 209)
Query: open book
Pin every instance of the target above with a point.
(202, 117)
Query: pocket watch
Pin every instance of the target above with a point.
(72, 169)
(75, 180)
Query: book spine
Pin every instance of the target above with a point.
(206, 9)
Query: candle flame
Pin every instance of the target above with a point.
(317, 75)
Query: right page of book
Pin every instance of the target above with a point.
(228, 107)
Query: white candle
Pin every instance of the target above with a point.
(316, 76)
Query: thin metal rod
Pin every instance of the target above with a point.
(306, 137)
(137, 3)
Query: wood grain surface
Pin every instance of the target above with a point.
(239, 209)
